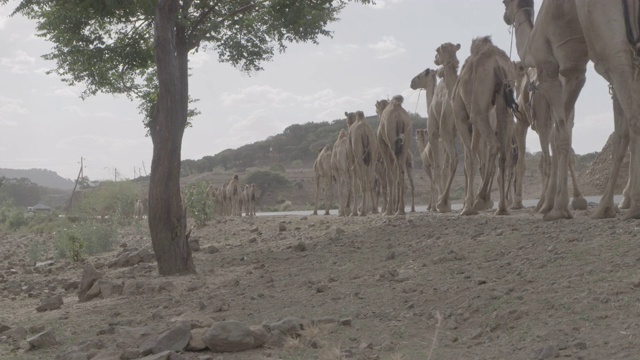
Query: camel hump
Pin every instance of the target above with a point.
(480, 44)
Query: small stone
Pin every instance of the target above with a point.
(175, 339)
(300, 247)
(212, 249)
(547, 352)
(322, 288)
(42, 340)
(50, 303)
(130, 354)
(167, 286)
(282, 227)
(481, 282)
(346, 322)
(252, 240)
(254, 230)
(229, 336)
(580, 345)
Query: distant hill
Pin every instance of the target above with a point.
(42, 177)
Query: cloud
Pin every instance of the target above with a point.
(107, 144)
(11, 106)
(19, 63)
(382, 4)
(387, 47)
(266, 96)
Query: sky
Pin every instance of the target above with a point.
(375, 52)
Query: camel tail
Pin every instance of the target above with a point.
(504, 89)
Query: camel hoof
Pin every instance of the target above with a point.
(517, 205)
(557, 214)
(444, 208)
(502, 211)
(467, 211)
(545, 208)
(625, 203)
(579, 203)
(606, 212)
(633, 213)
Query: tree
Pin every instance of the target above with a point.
(141, 48)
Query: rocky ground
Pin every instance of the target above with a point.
(424, 286)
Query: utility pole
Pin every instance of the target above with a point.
(145, 169)
(80, 176)
(115, 174)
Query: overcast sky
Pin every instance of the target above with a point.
(374, 53)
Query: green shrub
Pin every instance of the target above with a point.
(113, 199)
(198, 204)
(84, 238)
(17, 219)
(267, 180)
(277, 168)
(35, 250)
(296, 163)
(298, 185)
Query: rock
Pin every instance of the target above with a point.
(346, 322)
(254, 230)
(42, 340)
(211, 249)
(260, 335)
(4, 327)
(339, 231)
(324, 320)
(290, 326)
(580, 345)
(167, 286)
(130, 354)
(229, 336)
(44, 263)
(17, 334)
(282, 227)
(300, 247)
(130, 257)
(196, 285)
(196, 343)
(50, 303)
(165, 355)
(194, 244)
(72, 355)
(89, 277)
(94, 292)
(130, 287)
(109, 289)
(175, 339)
(276, 340)
(71, 285)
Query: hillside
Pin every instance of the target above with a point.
(42, 177)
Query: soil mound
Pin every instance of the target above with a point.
(596, 176)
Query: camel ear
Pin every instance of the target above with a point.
(457, 46)
(346, 114)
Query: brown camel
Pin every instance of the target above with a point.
(249, 197)
(394, 137)
(364, 152)
(138, 210)
(322, 170)
(341, 169)
(234, 193)
(537, 114)
(485, 86)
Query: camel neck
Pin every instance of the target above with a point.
(523, 29)
(430, 92)
(450, 77)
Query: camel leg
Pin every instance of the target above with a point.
(606, 207)
(328, 195)
(412, 187)
(444, 205)
(564, 124)
(504, 135)
(315, 207)
(401, 168)
(544, 127)
(354, 189)
(521, 138)
(483, 129)
(578, 202)
(433, 132)
(626, 200)
(462, 124)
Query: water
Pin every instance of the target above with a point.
(423, 208)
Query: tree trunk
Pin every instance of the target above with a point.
(167, 216)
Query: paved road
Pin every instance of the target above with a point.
(423, 208)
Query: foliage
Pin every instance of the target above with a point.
(21, 191)
(36, 250)
(267, 180)
(113, 199)
(84, 238)
(198, 203)
(297, 143)
(277, 168)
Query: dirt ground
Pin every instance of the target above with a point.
(424, 286)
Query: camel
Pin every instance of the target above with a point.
(341, 169)
(427, 164)
(537, 114)
(138, 210)
(412, 188)
(485, 86)
(427, 80)
(234, 193)
(249, 194)
(364, 152)
(322, 170)
(394, 138)
(557, 48)
(380, 184)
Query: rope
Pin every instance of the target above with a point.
(418, 102)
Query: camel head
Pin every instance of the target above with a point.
(235, 177)
(520, 69)
(424, 80)
(359, 115)
(381, 105)
(513, 7)
(351, 118)
(446, 55)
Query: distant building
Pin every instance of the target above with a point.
(39, 208)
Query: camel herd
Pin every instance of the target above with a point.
(478, 104)
(231, 198)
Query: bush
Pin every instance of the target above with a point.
(113, 199)
(296, 163)
(35, 250)
(198, 204)
(298, 185)
(279, 168)
(267, 180)
(84, 238)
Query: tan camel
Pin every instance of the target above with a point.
(234, 193)
(322, 170)
(537, 114)
(138, 210)
(394, 137)
(427, 164)
(556, 47)
(341, 169)
(427, 80)
(249, 195)
(364, 152)
(485, 86)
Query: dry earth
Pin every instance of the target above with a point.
(481, 287)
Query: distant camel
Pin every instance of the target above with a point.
(234, 192)
(341, 169)
(322, 170)
(138, 210)
(364, 150)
